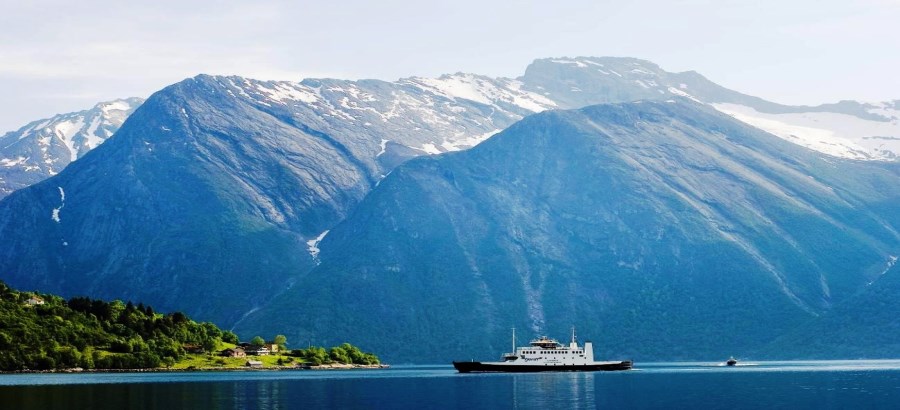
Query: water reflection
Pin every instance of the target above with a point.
(844, 384)
(546, 390)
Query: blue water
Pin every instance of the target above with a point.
(792, 385)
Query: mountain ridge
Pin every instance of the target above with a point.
(852, 129)
(221, 193)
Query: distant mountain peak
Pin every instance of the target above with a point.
(846, 129)
(44, 147)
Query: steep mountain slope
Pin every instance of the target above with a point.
(662, 230)
(43, 148)
(864, 327)
(221, 185)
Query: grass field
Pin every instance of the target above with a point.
(213, 360)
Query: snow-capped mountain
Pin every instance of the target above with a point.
(869, 132)
(847, 129)
(43, 148)
(220, 193)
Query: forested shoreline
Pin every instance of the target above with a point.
(46, 332)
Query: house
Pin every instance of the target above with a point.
(273, 348)
(193, 348)
(236, 352)
(258, 351)
(255, 364)
(34, 300)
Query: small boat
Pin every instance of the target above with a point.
(545, 355)
(731, 361)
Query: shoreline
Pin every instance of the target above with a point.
(208, 369)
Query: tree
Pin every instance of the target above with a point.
(280, 340)
(257, 341)
(338, 354)
(114, 309)
(315, 355)
(229, 337)
(209, 344)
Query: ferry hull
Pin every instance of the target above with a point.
(479, 367)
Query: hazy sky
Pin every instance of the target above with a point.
(60, 56)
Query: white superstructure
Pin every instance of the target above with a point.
(544, 351)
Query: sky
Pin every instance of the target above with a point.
(63, 56)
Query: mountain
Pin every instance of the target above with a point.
(664, 230)
(219, 194)
(848, 129)
(222, 185)
(214, 176)
(43, 148)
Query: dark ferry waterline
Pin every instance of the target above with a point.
(545, 355)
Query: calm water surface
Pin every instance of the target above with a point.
(818, 385)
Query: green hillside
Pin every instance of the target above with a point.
(46, 332)
(41, 331)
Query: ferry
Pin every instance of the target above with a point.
(545, 355)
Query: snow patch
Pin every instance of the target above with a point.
(528, 100)
(458, 86)
(892, 260)
(285, 91)
(469, 142)
(62, 203)
(484, 90)
(641, 70)
(576, 63)
(7, 162)
(93, 140)
(66, 130)
(117, 105)
(383, 147)
(430, 149)
(835, 134)
(678, 92)
(312, 245)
